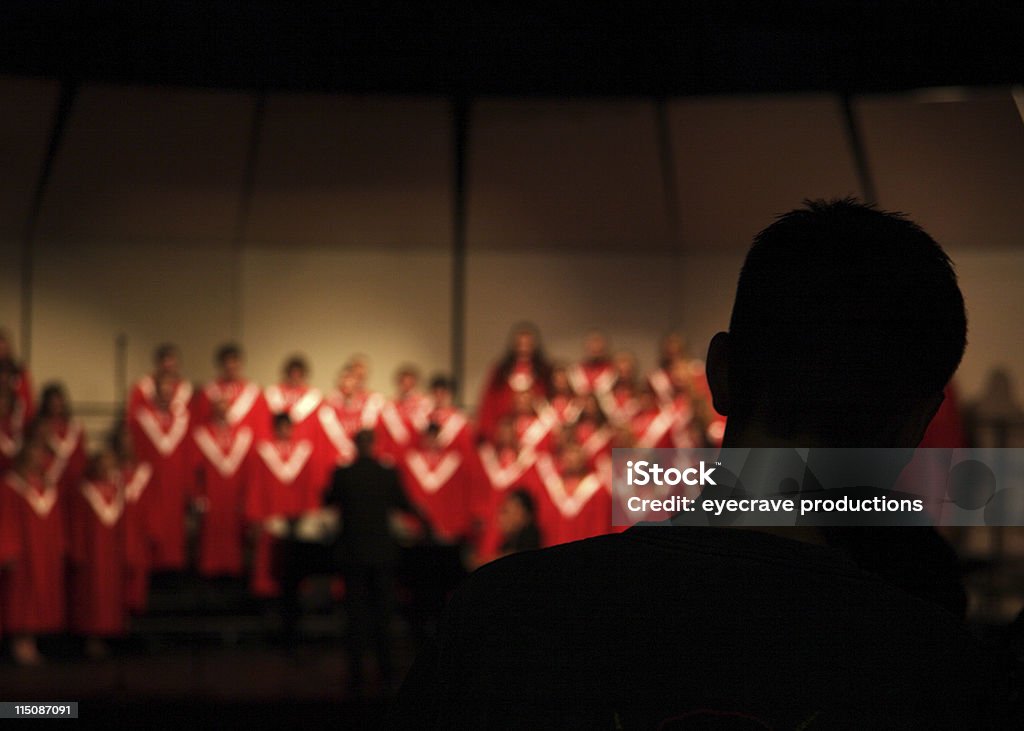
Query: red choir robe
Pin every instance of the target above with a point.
(668, 394)
(456, 432)
(246, 405)
(571, 507)
(592, 376)
(161, 439)
(661, 382)
(652, 428)
(496, 400)
(714, 429)
(101, 552)
(931, 462)
(438, 481)
(619, 404)
(565, 407)
(12, 429)
(280, 484)
(536, 431)
(22, 384)
(401, 422)
(605, 469)
(143, 392)
(595, 441)
(946, 428)
(136, 478)
(301, 403)
(219, 458)
(67, 442)
(32, 553)
(498, 470)
(685, 433)
(340, 418)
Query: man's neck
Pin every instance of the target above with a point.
(750, 435)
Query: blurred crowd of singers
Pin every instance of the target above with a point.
(80, 534)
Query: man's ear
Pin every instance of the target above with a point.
(718, 372)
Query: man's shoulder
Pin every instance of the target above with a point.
(613, 617)
(670, 569)
(545, 569)
(554, 555)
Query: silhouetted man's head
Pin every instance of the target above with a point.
(364, 441)
(848, 322)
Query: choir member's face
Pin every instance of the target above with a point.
(56, 405)
(679, 374)
(573, 460)
(46, 428)
(595, 346)
(623, 438)
(560, 380)
(407, 383)
(562, 436)
(522, 403)
(512, 516)
(36, 454)
(168, 365)
(625, 365)
(295, 376)
(505, 434)
(442, 397)
(673, 346)
(360, 371)
(524, 344)
(106, 464)
(231, 368)
(347, 382)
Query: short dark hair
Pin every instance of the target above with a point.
(50, 391)
(442, 381)
(296, 361)
(364, 440)
(522, 496)
(165, 350)
(408, 369)
(226, 351)
(843, 315)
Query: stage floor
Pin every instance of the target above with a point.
(202, 683)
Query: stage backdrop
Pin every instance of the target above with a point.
(325, 224)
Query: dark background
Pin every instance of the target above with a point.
(714, 46)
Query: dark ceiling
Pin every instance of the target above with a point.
(712, 46)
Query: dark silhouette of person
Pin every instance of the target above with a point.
(517, 523)
(847, 324)
(369, 497)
